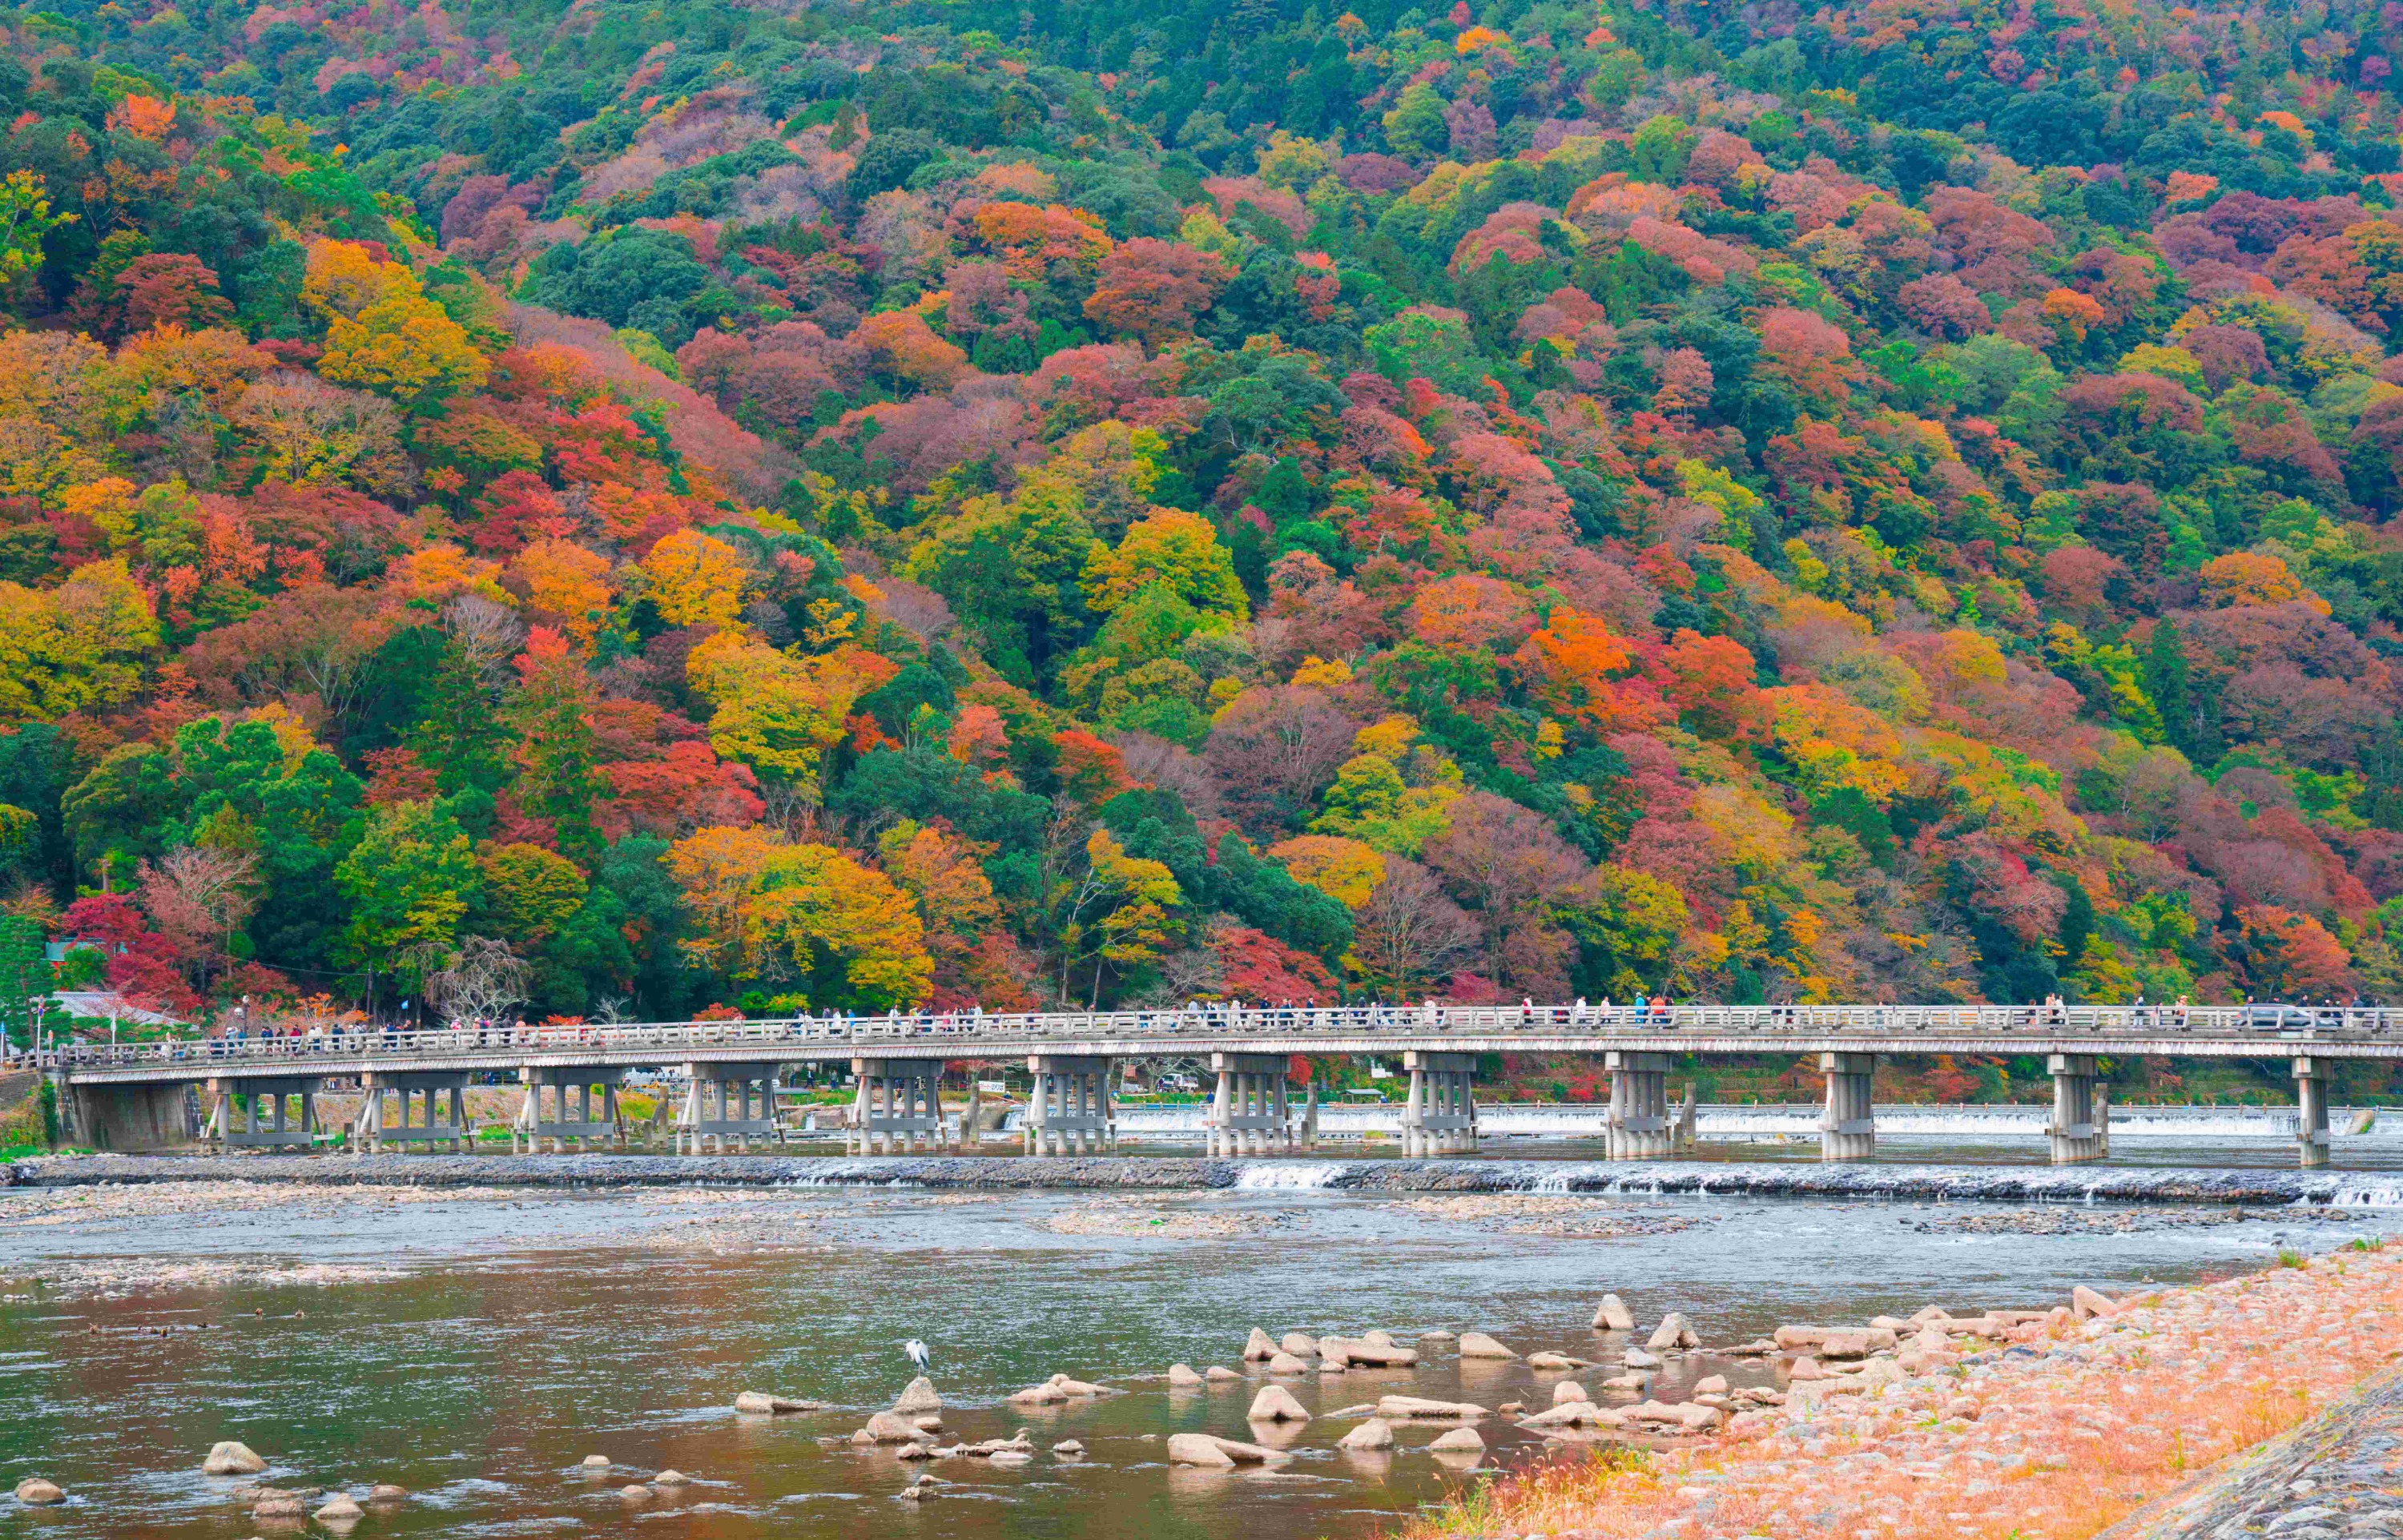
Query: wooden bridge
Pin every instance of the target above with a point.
(260, 1091)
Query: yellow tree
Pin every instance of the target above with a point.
(1346, 871)
(695, 579)
(777, 713)
(1118, 914)
(844, 930)
(1172, 547)
(716, 868)
(81, 644)
(566, 587)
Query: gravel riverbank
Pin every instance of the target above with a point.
(2059, 1432)
(1001, 1174)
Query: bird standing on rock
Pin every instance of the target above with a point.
(919, 1355)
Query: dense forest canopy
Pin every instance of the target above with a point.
(819, 505)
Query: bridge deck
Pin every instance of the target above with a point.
(2202, 1032)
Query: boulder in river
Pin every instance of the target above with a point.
(1476, 1344)
(1711, 1384)
(1614, 1315)
(1625, 1381)
(1639, 1359)
(1276, 1403)
(1555, 1361)
(1806, 1368)
(1204, 1449)
(281, 1505)
(761, 1404)
(34, 1492)
(665, 1478)
(1045, 1394)
(886, 1427)
(1069, 1447)
(1394, 1408)
(1182, 1376)
(920, 1397)
(1568, 1391)
(1575, 1414)
(1374, 1433)
(1675, 1331)
(1362, 1350)
(1259, 1346)
(340, 1509)
(1299, 1343)
(597, 1461)
(1285, 1363)
(232, 1459)
(386, 1491)
(1458, 1441)
(1846, 1344)
(1218, 1374)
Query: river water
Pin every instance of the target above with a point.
(474, 1345)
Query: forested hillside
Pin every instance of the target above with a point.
(836, 505)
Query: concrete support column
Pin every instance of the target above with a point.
(2076, 1129)
(1069, 1108)
(1848, 1129)
(1249, 1113)
(1639, 1105)
(2311, 1104)
(1440, 1117)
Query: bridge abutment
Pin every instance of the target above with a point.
(1848, 1129)
(1440, 1117)
(1639, 1128)
(2312, 1109)
(1070, 1112)
(2077, 1126)
(126, 1119)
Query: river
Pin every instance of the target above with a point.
(474, 1344)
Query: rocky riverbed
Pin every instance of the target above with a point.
(2055, 1428)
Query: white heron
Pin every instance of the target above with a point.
(919, 1355)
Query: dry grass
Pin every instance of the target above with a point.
(2058, 1445)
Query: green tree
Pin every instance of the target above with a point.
(410, 879)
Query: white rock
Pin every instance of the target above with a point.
(915, 1452)
(1182, 1375)
(1080, 1390)
(920, 1397)
(887, 1427)
(340, 1509)
(1806, 1368)
(1285, 1363)
(1575, 1414)
(1625, 1381)
(1476, 1344)
(1276, 1403)
(1639, 1359)
(1568, 1391)
(1711, 1384)
(386, 1491)
(761, 1404)
(35, 1492)
(1374, 1433)
(1382, 1338)
(1259, 1348)
(232, 1459)
(2088, 1304)
(1674, 1331)
(1218, 1375)
(670, 1478)
(1008, 1457)
(1299, 1343)
(1201, 1448)
(597, 1461)
(1407, 1408)
(1555, 1361)
(1045, 1394)
(1464, 1440)
(1067, 1446)
(1612, 1315)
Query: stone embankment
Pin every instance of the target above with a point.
(2051, 1428)
(1916, 1183)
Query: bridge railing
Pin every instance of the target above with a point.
(867, 1033)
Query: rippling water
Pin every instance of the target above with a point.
(485, 1345)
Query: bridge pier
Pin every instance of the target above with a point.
(2312, 1107)
(532, 1128)
(278, 1096)
(1070, 1111)
(899, 1103)
(1639, 1128)
(719, 1104)
(1440, 1117)
(1249, 1114)
(1848, 1129)
(369, 1132)
(2079, 1129)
